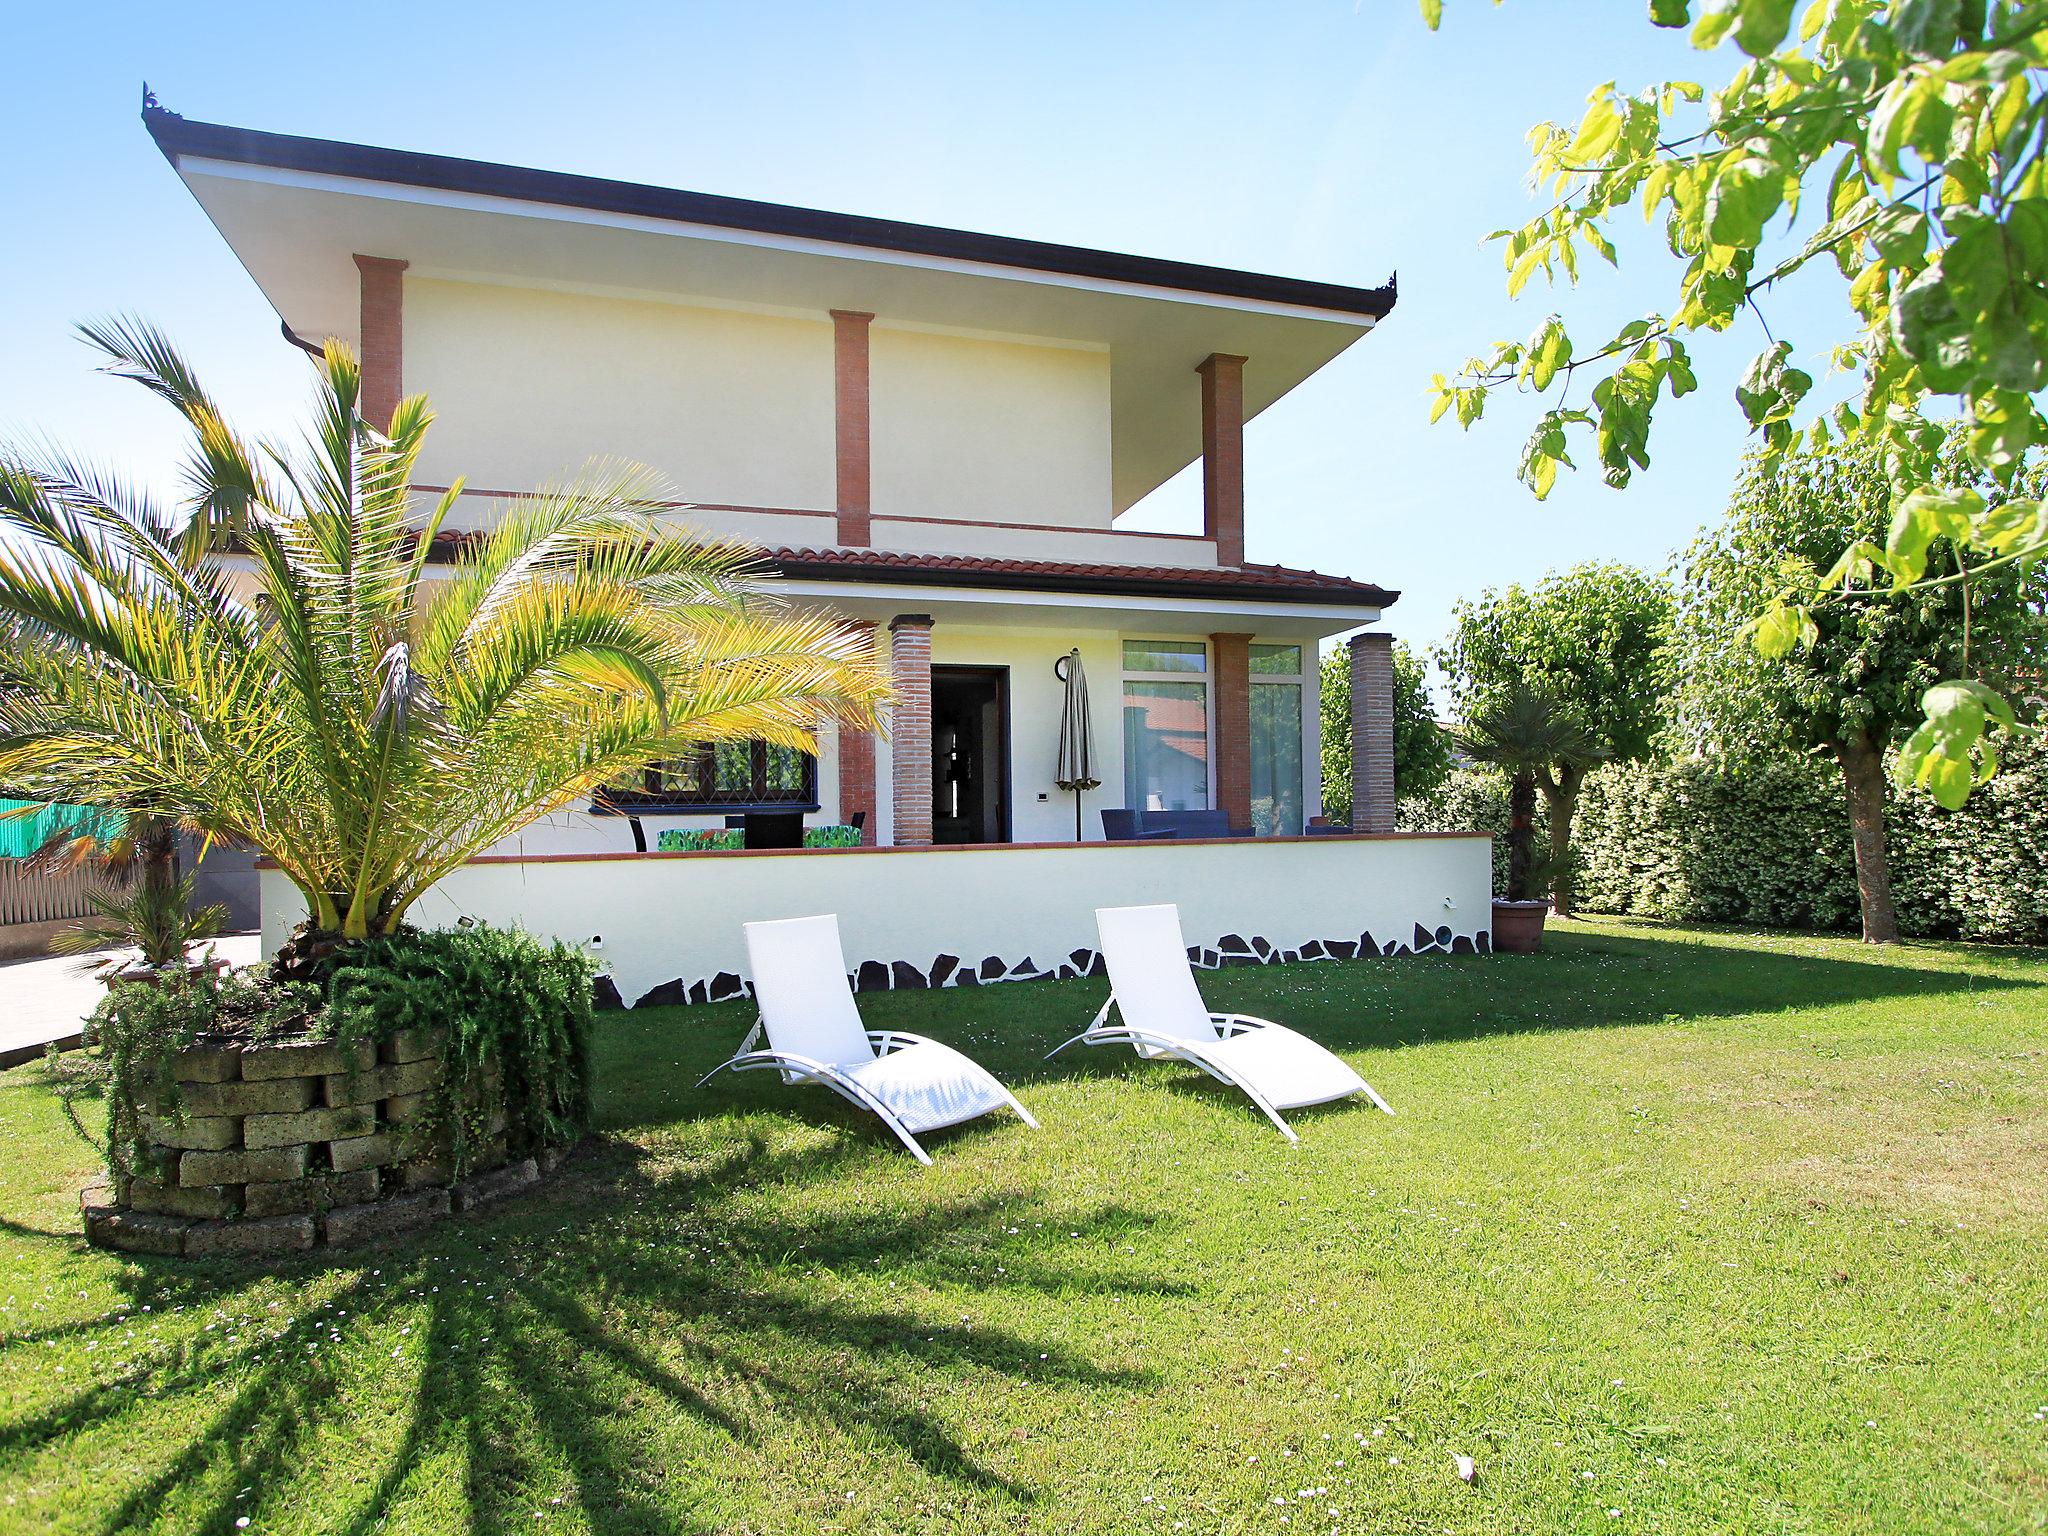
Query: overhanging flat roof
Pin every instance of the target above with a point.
(247, 146)
(296, 210)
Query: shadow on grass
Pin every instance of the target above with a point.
(648, 1060)
(547, 1341)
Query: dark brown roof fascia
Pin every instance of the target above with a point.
(445, 173)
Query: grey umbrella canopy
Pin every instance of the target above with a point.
(1076, 768)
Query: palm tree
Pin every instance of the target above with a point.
(280, 661)
(1525, 732)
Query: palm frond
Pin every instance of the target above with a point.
(222, 475)
(363, 721)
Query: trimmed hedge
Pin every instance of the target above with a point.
(1769, 846)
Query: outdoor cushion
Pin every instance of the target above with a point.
(929, 1085)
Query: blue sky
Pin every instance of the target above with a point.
(1317, 140)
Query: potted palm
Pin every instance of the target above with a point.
(1520, 732)
(290, 659)
(141, 908)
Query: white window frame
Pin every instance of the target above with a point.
(1206, 677)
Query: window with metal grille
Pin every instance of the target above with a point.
(721, 776)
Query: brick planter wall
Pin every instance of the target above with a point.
(299, 1144)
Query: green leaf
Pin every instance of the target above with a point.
(1748, 190)
(1599, 130)
(1780, 630)
(1670, 13)
(1921, 518)
(2002, 427)
(1761, 25)
(1927, 29)
(1771, 391)
(1901, 236)
(2012, 526)
(1927, 328)
(1713, 24)
(1914, 114)
(1549, 350)
(1950, 753)
(1432, 14)
(1543, 452)
(1853, 565)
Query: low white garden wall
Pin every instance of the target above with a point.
(667, 926)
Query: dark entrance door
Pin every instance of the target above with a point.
(970, 754)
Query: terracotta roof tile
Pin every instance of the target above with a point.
(1273, 583)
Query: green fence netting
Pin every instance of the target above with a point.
(22, 835)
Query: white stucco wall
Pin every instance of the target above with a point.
(664, 918)
(529, 384)
(996, 430)
(735, 406)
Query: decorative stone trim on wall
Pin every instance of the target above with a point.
(300, 1144)
(952, 971)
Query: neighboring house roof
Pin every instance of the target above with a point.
(1269, 583)
(176, 136)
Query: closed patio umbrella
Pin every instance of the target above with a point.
(1076, 769)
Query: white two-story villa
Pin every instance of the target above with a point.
(926, 430)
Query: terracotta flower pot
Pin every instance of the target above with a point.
(1518, 926)
(206, 969)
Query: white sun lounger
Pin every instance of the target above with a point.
(815, 1035)
(1153, 987)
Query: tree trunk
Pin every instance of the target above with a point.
(155, 840)
(1521, 835)
(1561, 795)
(1863, 776)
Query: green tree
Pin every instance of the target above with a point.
(1900, 142)
(1594, 640)
(331, 698)
(1858, 683)
(1422, 749)
(1528, 733)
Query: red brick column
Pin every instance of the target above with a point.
(1223, 455)
(857, 773)
(1230, 674)
(850, 404)
(1372, 732)
(910, 729)
(383, 329)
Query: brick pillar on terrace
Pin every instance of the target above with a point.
(1372, 732)
(857, 771)
(1223, 455)
(910, 730)
(850, 405)
(1230, 669)
(383, 332)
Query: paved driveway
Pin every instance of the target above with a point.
(44, 1000)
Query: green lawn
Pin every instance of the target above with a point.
(1677, 1231)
